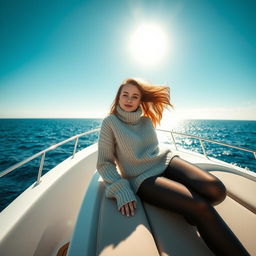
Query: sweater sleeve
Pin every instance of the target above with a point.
(116, 186)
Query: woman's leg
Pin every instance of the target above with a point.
(202, 182)
(174, 196)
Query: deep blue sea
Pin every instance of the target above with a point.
(21, 138)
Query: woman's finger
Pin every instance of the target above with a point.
(134, 204)
(127, 209)
(122, 210)
(131, 208)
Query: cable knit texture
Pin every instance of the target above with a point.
(129, 153)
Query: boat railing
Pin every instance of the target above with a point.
(202, 140)
(43, 152)
(76, 138)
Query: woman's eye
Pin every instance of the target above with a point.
(133, 97)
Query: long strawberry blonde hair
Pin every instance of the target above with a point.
(154, 98)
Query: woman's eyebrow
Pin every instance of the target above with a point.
(132, 94)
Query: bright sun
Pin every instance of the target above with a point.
(148, 44)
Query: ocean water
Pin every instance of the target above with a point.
(21, 138)
(233, 132)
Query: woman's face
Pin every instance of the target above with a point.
(129, 98)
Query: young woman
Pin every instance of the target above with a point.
(128, 143)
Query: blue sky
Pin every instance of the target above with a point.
(67, 58)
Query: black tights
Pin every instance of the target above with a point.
(186, 189)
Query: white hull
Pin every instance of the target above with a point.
(46, 216)
(43, 217)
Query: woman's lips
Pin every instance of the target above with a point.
(128, 106)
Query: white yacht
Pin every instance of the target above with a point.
(65, 212)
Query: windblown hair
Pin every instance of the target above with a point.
(154, 98)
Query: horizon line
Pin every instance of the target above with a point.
(217, 119)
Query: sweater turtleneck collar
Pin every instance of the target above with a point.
(129, 117)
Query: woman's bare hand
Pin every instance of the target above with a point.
(128, 209)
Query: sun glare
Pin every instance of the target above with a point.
(148, 44)
(170, 120)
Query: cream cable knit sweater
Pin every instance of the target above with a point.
(129, 142)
